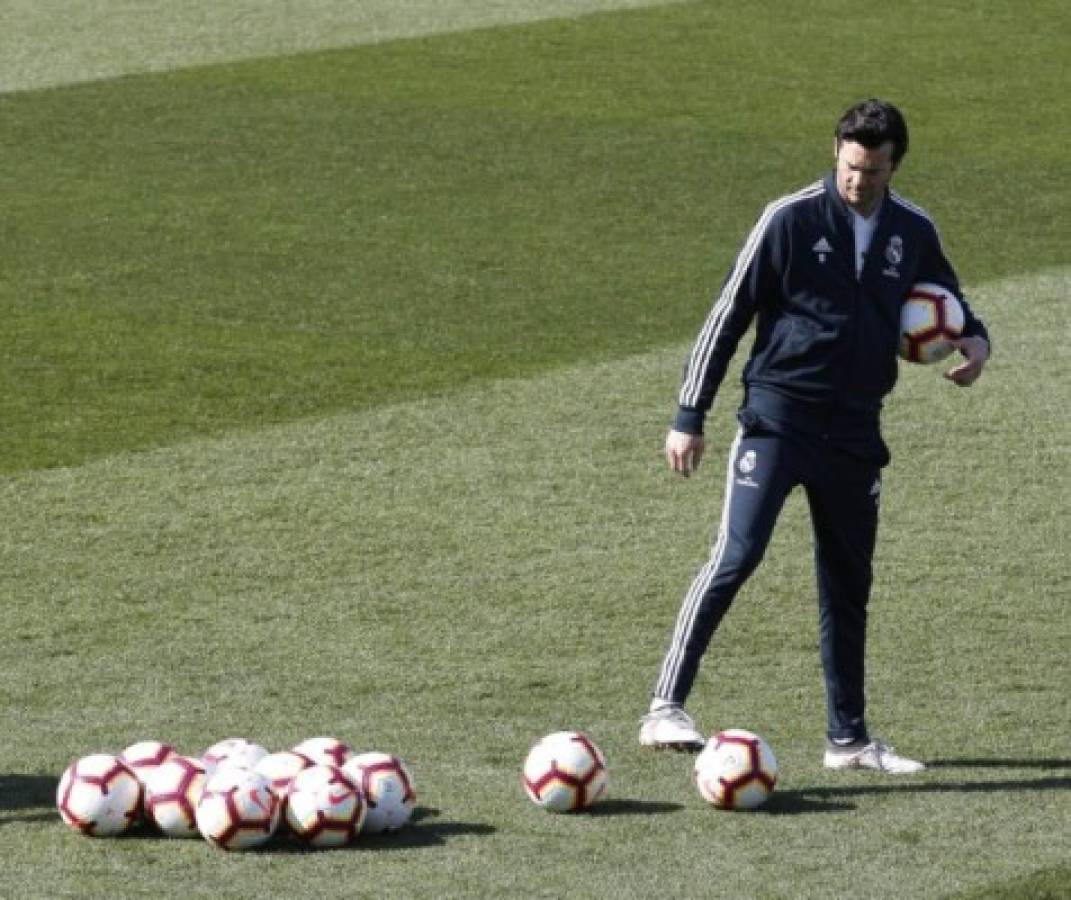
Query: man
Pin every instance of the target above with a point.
(822, 276)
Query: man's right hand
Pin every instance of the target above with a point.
(684, 451)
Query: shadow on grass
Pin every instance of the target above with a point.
(1003, 785)
(832, 798)
(423, 830)
(978, 762)
(798, 803)
(28, 818)
(624, 807)
(27, 791)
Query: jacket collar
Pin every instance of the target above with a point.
(841, 222)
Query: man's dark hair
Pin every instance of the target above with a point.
(871, 123)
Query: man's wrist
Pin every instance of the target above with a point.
(689, 420)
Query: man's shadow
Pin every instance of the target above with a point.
(1058, 779)
(999, 762)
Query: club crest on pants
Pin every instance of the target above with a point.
(749, 459)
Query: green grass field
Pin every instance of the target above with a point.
(334, 387)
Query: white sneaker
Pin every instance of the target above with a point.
(874, 755)
(670, 728)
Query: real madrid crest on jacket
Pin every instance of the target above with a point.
(821, 326)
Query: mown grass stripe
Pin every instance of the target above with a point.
(46, 43)
(278, 239)
(517, 403)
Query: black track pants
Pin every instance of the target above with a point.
(842, 493)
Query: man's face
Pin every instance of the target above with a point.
(863, 174)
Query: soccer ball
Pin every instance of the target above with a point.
(172, 792)
(232, 753)
(237, 810)
(99, 795)
(325, 751)
(324, 807)
(388, 790)
(736, 770)
(564, 771)
(144, 756)
(930, 319)
(280, 769)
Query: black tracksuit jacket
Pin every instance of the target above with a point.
(825, 350)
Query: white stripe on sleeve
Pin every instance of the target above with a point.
(703, 351)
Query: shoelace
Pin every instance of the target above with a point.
(880, 749)
(672, 714)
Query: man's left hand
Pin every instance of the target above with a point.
(975, 351)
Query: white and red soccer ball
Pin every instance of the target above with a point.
(238, 810)
(232, 753)
(736, 770)
(280, 768)
(324, 807)
(172, 791)
(387, 785)
(564, 772)
(931, 317)
(325, 751)
(99, 795)
(144, 756)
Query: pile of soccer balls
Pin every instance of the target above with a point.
(565, 771)
(237, 795)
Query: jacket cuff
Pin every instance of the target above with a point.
(689, 420)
